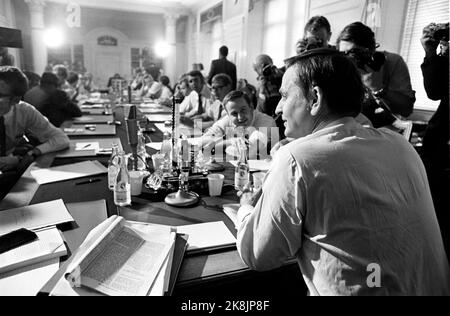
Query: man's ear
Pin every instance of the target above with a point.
(318, 101)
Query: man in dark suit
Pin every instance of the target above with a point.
(223, 66)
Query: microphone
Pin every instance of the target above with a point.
(132, 127)
(132, 130)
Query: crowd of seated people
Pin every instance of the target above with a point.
(332, 104)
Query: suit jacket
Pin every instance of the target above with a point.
(223, 66)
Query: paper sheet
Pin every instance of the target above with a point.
(28, 281)
(155, 146)
(256, 165)
(207, 236)
(68, 172)
(34, 216)
(48, 246)
(88, 215)
(231, 210)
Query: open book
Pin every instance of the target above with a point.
(120, 260)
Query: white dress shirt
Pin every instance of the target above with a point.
(190, 106)
(25, 119)
(341, 200)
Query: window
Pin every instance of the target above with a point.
(275, 30)
(420, 14)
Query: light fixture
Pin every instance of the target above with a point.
(53, 38)
(162, 49)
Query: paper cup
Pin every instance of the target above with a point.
(136, 178)
(215, 183)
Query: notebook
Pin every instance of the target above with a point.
(68, 172)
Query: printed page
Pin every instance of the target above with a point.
(34, 216)
(128, 266)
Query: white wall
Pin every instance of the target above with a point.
(7, 19)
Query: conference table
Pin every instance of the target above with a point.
(218, 272)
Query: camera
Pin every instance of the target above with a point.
(308, 44)
(364, 57)
(269, 71)
(440, 32)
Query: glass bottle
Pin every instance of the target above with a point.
(166, 150)
(113, 167)
(122, 190)
(242, 171)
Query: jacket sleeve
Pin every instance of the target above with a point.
(435, 76)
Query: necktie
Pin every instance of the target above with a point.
(2, 137)
(200, 105)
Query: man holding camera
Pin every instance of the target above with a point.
(389, 93)
(317, 35)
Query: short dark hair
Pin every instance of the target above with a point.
(235, 95)
(15, 79)
(224, 79)
(73, 78)
(61, 71)
(359, 34)
(316, 23)
(196, 73)
(164, 80)
(224, 51)
(49, 79)
(336, 74)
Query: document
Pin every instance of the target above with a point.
(155, 146)
(68, 172)
(207, 236)
(48, 246)
(79, 147)
(34, 217)
(29, 280)
(87, 215)
(231, 210)
(122, 261)
(256, 165)
(159, 117)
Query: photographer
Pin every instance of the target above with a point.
(269, 84)
(385, 75)
(317, 34)
(435, 144)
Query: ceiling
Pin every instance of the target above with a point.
(149, 6)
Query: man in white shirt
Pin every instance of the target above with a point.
(351, 203)
(198, 101)
(19, 119)
(241, 119)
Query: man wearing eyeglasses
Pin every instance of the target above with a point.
(17, 120)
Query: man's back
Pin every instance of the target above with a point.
(368, 205)
(223, 66)
(36, 97)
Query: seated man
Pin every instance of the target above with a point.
(18, 119)
(350, 203)
(241, 119)
(52, 102)
(198, 100)
(221, 86)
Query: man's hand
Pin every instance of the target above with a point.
(373, 80)
(8, 163)
(429, 44)
(248, 197)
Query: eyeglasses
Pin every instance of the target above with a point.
(217, 87)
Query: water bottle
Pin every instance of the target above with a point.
(122, 190)
(242, 171)
(166, 150)
(113, 167)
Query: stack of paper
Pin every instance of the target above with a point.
(49, 245)
(68, 172)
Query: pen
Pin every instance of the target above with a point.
(88, 182)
